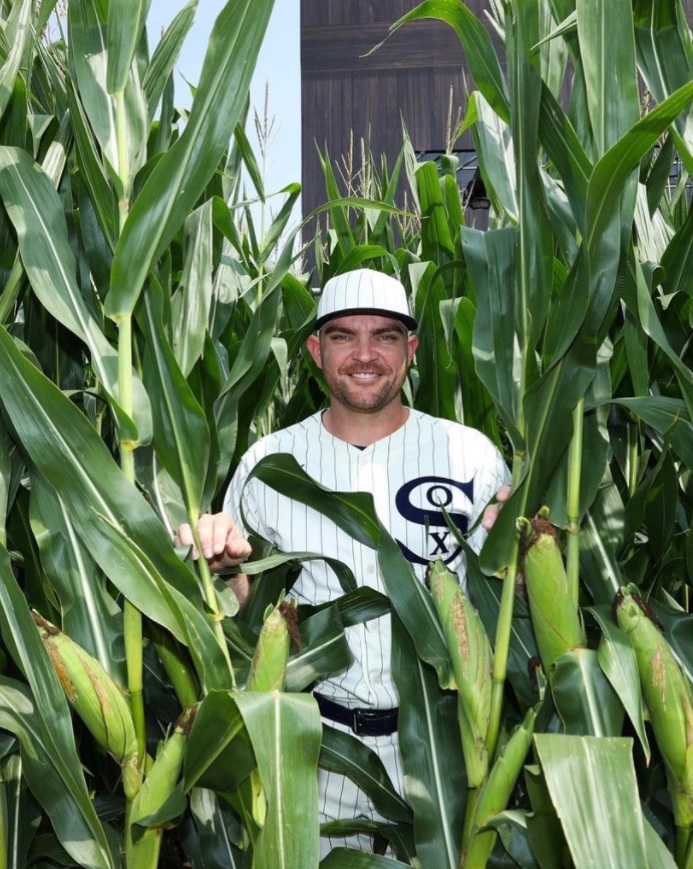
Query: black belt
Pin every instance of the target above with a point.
(362, 720)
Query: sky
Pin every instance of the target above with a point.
(278, 65)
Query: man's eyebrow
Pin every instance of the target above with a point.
(331, 329)
(381, 330)
(395, 327)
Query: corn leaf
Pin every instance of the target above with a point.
(218, 831)
(183, 172)
(19, 28)
(437, 244)
(166, 54)
(92, 173)
(64, 798)
(434, 364)
(110, 516)
(324, 650)
(607, 50)
(476, 42)
(535, 239)
(181, 440)
(669, 417)
(431, 749)
(600, 538)
(664, 60)
(617, 659)
(511, 826)
(585, 700)
(89, 615)
(284, 730)
(593, 787)
(348, 858)
(348, 755)
(219, 755)
(491, 260)
(124, 27)
(88, 44)
(250, 362)
(52, 723)
(191, 304)
(37, 215)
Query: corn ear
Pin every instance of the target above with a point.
(268, 667)
(555, 616)
(96, 698)
(668, 697)
(472, 665)
(142, 851)
(495, 793)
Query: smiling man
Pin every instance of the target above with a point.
(419, 469)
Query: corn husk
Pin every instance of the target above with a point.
(555, 617)
(96, 698)
(668, 697)
(472, 665)
(496, 792)
(143, 845)
(268, 667)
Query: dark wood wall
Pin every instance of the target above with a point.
(349, 94)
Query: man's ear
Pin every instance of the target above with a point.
(313, 347)
(412, 344)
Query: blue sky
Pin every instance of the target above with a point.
(278, 64)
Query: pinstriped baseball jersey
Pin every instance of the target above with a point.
(426, 465)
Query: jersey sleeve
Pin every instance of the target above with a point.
(240, 502)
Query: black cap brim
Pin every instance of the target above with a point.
(407, 321)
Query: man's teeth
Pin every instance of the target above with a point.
(364, 376)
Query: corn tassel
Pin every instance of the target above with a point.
(96, 698)
(472, 664)
(268, 667)
(142, 851)
(495, 794)
(555, 617)
(668, 697)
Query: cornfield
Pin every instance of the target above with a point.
(151, 332)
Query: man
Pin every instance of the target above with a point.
(416, 467)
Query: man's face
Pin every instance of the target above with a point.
(364, 359)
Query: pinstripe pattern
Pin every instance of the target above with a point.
(364, 290)
(425, 464)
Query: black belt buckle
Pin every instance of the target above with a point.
(364, 720)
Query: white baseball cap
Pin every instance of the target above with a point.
(364, 291)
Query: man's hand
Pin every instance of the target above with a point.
(492, 511)
(221, 541)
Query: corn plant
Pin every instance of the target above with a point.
(138, 311)
(574, 311)
(150, 332)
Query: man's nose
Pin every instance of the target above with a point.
(363, 348)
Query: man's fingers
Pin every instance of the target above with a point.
(184, 537)
(490, 515)
(503, 494)
(488, 520)
(221, 541)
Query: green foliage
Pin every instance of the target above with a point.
(151, 329)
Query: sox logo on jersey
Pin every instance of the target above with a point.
(439, 497)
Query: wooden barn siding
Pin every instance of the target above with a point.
(349, 95)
